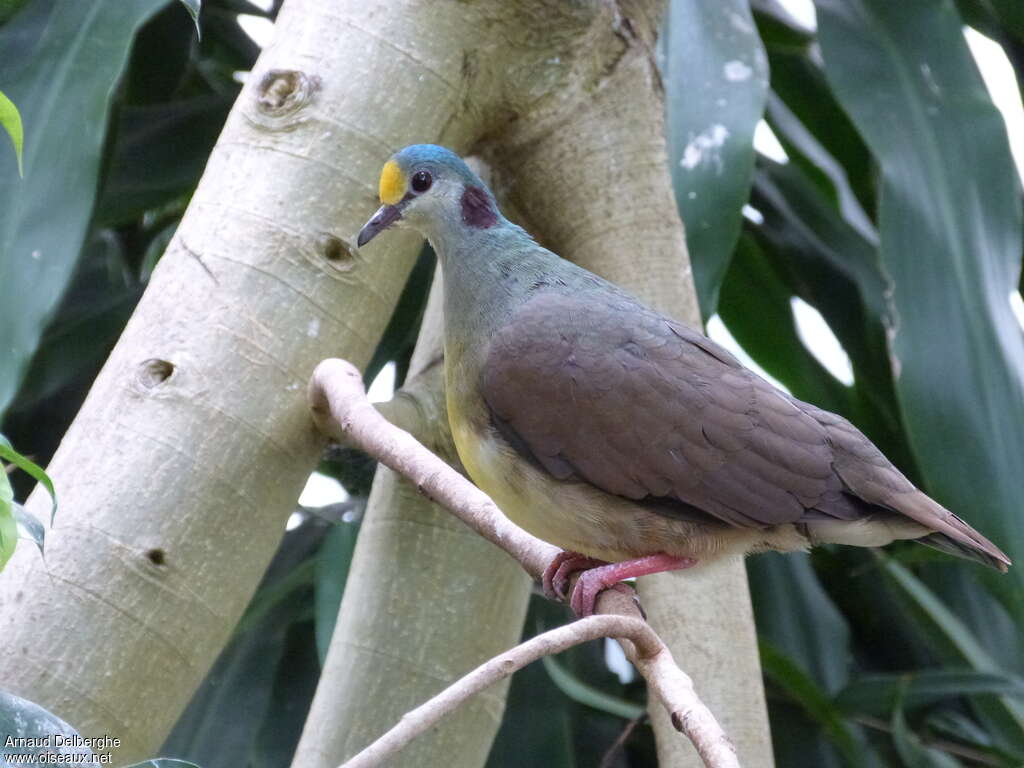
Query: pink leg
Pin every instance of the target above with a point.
(594, 581)
(556, 576)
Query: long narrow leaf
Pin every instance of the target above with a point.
(829, 264)
(877, 694)
(8, 453)
(912, 752)
(8, 525)
(332, 565)
(755, 305)
(29, 526)
(59, 60)
(10, 121)
(584, 693)
(795, 617)
(716, 81)
(798, 80)
(193, 7)
(954, 642)
(950, 223)
(798, 141)
(816, 703)
(20, 718)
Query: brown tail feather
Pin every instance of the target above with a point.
(944, 543)
(952, 534)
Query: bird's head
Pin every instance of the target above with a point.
(430, 188)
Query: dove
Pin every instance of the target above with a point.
(632, 442)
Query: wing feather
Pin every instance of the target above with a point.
(600, 388)
(641, 406)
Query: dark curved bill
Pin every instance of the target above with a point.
(385, 216)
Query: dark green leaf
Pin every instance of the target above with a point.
(91, 317)
(796, 618)
(156, 248)
(778, 29)
(281, 592)
(536, 731)
(1001, 20)
(29, 526)
(10, 121)
(230, 46)
(962, 729)
(59, 60)
(801, 143)
(948, 634)
(8, 523)
(955, 643)
(171, 76)
(912, 752)
(193, 7)
(756, 307)
(583, 692)
(950, 222)
(27, 465)
(977, 607)
(799, 217)
(877, 694)
(159, 154)
(538, 728)
(9, 7)
(831, 266)
(716, 77)
(787, 674)
(20, 718)
(298, 673)
(332, 566)
(799, 82)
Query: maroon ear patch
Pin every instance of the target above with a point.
(477, 209)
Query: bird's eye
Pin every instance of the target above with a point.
(421, 181)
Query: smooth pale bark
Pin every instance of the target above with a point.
(177, 476)
(592, 176)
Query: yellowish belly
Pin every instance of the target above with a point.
(579, 517)
(514, 487)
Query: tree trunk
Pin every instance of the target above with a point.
(178, 474)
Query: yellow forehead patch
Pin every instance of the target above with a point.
(392, 183)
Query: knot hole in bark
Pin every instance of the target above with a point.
(154, 372)
(156, 556)
(336, 251)
(284, 91)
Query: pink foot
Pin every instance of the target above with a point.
(556, 576)
(594, 581)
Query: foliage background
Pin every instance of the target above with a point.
(896, 215)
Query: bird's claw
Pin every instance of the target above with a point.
(584, 596)
(555, 580)
(595, 580)
(598, 576)
(589, 585)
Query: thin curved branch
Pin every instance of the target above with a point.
(340, 409)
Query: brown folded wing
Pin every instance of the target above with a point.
(600, 388)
